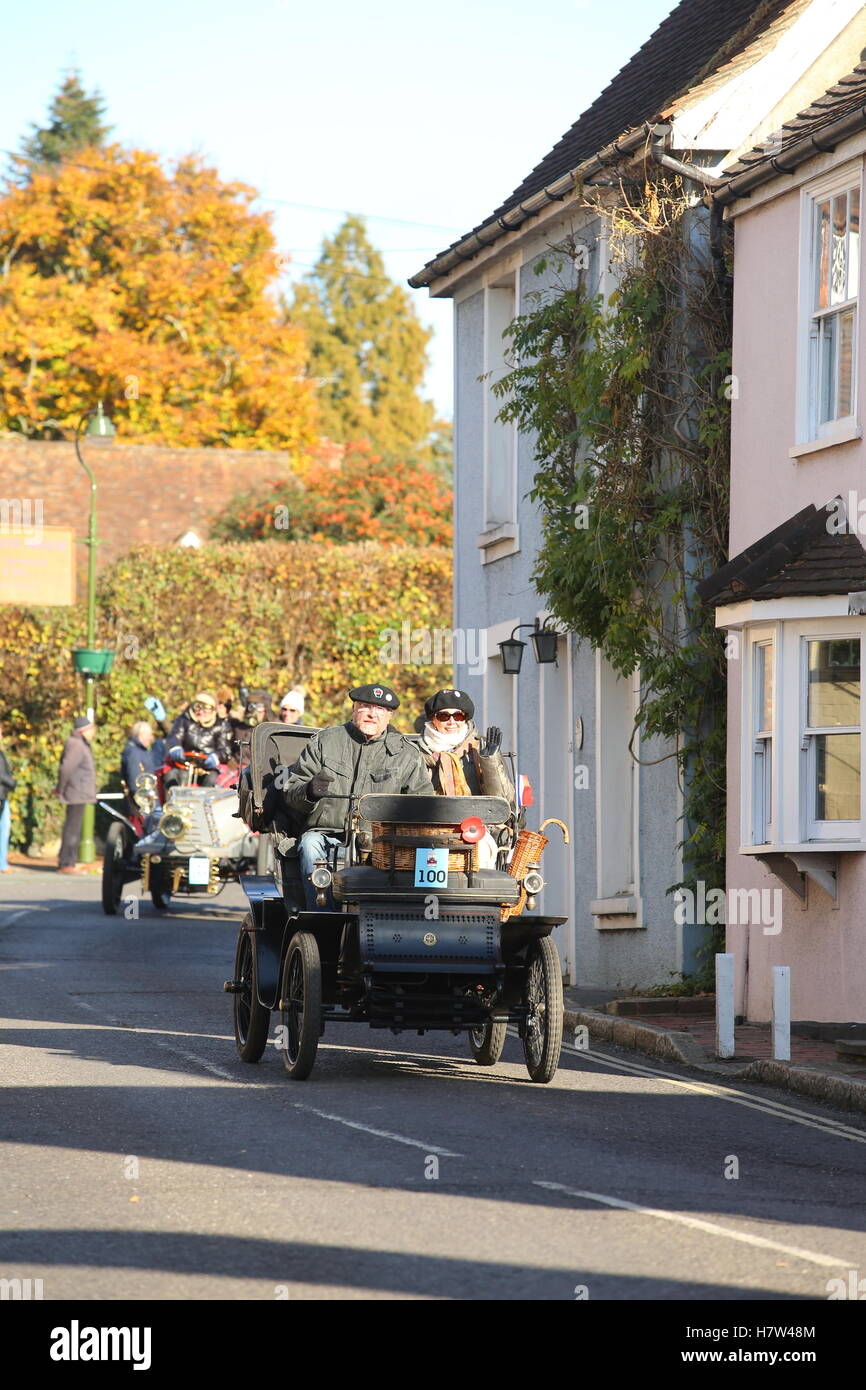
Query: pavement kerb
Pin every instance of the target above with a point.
(669, 1043)
(675, 1046)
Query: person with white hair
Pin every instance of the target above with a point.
(292, 707)
(138, 756)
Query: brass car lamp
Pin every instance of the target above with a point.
(321, 879)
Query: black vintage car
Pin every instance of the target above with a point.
(412, 935)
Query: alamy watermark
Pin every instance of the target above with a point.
(22, 516)
(436, 646)
(744, 907)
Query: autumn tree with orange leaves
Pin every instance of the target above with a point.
(152, 291)
(342, 495)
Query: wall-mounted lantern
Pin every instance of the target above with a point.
(543, 640)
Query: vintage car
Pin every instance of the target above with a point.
(412, 933)
(191, 846)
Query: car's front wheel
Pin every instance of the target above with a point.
(542, 1042)
(301, 1005)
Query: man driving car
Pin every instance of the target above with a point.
(363, 755)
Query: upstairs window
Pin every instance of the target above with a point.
(836, 262)
(831, 274)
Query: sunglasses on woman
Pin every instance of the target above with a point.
(456, 714)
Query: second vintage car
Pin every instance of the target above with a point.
(190, 846)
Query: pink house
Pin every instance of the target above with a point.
(793, 598)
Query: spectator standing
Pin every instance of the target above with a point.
(7, 785)
(76, 787)
(292, 707)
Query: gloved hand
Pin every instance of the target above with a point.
(318, 785)
(176, 753)
(491, 742)
(156, 708)
(212, 762)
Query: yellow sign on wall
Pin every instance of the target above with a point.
(37, 563)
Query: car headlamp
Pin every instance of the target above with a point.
(321, 877)
(145, 782)
(173, 824)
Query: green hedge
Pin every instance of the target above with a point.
(268, 614)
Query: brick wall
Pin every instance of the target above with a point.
(144, 492)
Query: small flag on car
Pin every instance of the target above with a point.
(525, 795)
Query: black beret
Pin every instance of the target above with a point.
(375, 695)
(449, 699)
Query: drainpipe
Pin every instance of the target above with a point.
(707, 181)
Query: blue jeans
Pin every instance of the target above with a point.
(5, 826)
(316, 845)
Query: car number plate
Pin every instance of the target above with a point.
(199, 870)
(431, 868)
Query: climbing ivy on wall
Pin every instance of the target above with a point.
(629, 405)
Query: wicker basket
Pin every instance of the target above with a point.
(528, 851)
(427, 837)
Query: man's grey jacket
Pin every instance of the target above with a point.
(390, 764)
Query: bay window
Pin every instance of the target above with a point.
(802, 731)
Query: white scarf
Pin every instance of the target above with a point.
(438, 742)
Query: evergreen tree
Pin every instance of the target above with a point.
(368, 348)
(75, 123)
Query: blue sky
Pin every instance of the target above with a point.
(422, 117)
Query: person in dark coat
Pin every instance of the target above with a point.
(139, 755)
(76, 787)
(362, 755)
(461, 763)
(200, 730)
(257, 710)
(7, 785)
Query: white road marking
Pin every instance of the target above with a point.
(715, 1091)
(379, 1133)
(696, 1224)
(7, 922)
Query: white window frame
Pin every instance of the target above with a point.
(501, 534)
(792, 773)
(808, 429)
(763, 744)
(814, 829)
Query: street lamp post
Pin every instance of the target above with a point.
(99, 429)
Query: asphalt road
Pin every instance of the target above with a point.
(141, 1159)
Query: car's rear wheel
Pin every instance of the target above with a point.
(251, 1018)
(542, 1042)
(112, 867)
(486, 1043)
(301, 1005)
